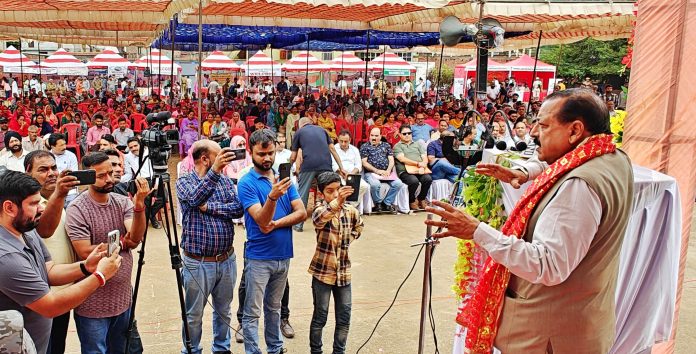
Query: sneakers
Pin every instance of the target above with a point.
(286, 328)
(238, 334)
(392, 209)
(377, 208)
(297, 228)
(423, 204)
(156, 224)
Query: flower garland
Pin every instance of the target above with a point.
(616, 123)
(482, 195)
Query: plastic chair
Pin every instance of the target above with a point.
(83, 107)
(72, 131)
(249, 120)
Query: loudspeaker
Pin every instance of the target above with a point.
(481, 68)
(452, 31)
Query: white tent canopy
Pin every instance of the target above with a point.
(347, 61)
(219, 61)
(158, 63)
(305, 62)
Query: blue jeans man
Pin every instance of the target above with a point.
(203, 279)
(443, 169)
(321, 293)
(265, 284)
(102, 335)
(376, 185)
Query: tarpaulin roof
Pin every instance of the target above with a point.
(129, 22)
(219, 61)
(107, 58)
(347, 62)
(12, 57)
(526, 63)
(292, 38)
(305, 62)
(62, 59)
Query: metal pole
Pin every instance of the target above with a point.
(478, 57)
(425, 294)
(246, 84)
(307, 71)
(272, 76)
(159, 69)
(172, 28)
(200, 63)
(21, 70)
(439, 73)
(38, 48)
(536, 60)
(367, 60)
(149, 65)
(384, 66)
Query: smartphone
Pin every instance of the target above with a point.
(284, 170)
(114, 238)
(353, 181)
(239, 154)
(85, 177)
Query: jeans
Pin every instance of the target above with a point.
(376, 184)
(209, 279)
(412, 181)
(102, 335)
(59, 330)
(284, 303)
(265, 283)
(443, 169)
(304, 181)
(321, 293)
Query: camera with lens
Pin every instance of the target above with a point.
(159, 140)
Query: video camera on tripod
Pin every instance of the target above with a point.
(158, 140)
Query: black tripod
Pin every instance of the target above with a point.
(162, 182)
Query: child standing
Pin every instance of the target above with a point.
(337, 224)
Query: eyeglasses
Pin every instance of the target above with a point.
(406, 133)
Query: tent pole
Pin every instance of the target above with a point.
(367, 60)
(21, 70)
(159, 69)
(172, 28)
(38, 50)
(272, 76)
(307, 71)
(536, 60)
(149, 64)
(439, 73)
(200, 63)
(558, 64)
(384, 65)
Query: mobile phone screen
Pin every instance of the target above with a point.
(113, 237)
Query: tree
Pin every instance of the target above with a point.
(446, 76)
(589, 57)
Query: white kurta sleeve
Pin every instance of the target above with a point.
(562, 237)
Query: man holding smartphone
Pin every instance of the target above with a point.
(208, 206)
(102, 320)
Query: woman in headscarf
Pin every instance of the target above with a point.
(233, 169)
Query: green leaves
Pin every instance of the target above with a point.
(588, 57)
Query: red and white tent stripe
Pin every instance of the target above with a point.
(260, 61)
(12, 57)
(390, 61)
(108, 58)
(305, 62)
(154, 60)
(347, 62)
(219, 61)
(62, 59)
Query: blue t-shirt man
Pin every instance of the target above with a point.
(253, 189)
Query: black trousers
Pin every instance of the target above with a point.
(59, 330)
(412, 181)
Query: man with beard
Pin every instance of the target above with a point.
(271, 208)
(27, 269)
(208, 206)
(13, 158)
(96, 131)
(102, 320)
(4, 128)
(563, 237)
(41, 165)
(115, 159)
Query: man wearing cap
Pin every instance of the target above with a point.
(317, 149)
(13, 157)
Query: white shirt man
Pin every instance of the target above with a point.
(34, 84)
(351, 162)
(213, 87)
(132, 163)
(357, 82)
(407, 88)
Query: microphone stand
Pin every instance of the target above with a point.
(430, 244)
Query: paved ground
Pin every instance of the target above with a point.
(381, 259)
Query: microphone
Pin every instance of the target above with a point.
(519, 144)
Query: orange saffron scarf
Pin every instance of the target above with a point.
(481, 312)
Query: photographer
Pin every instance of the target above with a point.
(102, 320)
(208, 206)
(27, 269)
(131, 167)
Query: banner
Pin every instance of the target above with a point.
(72, 71)
(265, 71)
(397, 72)
(118, 71)
(29, 70)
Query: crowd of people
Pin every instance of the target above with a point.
(399, 139)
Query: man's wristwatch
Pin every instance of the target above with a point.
(84, 270)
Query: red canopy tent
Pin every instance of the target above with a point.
(522, 68)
